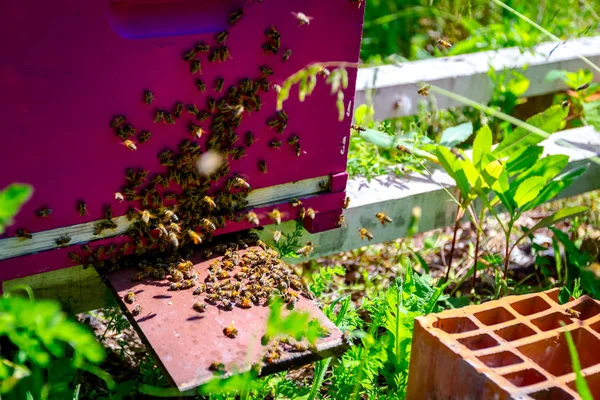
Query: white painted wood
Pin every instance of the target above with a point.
(397, 196)
(82, 233)
(396, 86)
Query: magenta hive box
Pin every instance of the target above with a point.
(68, 67)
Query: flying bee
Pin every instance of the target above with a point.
(286, 55)
(171, 215)
(383, 218)
(148, 97)
(235, 16)
(130, 297)
(275, 215)
(363, 232)
(209, 202)
(302, 213)
(174, 227)
(82, 208)
(302, 18)
(310, 213)
(194, 236)
(240, 183)
(208, 224)
(340, 221)
(63, 240)
(137, 310)
(144, 136)
(444, 44)
(222, 37)
(173, 239)
(249, 139)
(75, 257)
(583, 87)
(24, 234)
(266, 70)
(159, 116)
(275, 144)
(424, 90)
(358, 128)
(130, 145)
(117, 121)
(573, 313)
(195, 66)
(276, 236)
(262, 166)
(306, 250)
(230, 331)
(252, 218)
(199, 306)
(346, 203)
(44, 212)
(146, 216)
(119, 197)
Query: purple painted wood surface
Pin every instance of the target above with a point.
(67, 67)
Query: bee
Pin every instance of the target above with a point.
(240, 183)
(346, 203)
(130, 297)
(144, 136)
(137, 310)
(219, 84)
(266, 70)
(573, 313)
(209, 202)
(227, 305)
(424, 90)
(195, 130)
(310, 213)
(63, 240)
(119, 196)
(130, 145)
(583, 87)
(245, 303)
(201, 47)
(340, 221)
(224, 53)
(178, 109)
(148, 97)
(213, 298)
(262, 166)
(276, 236)
(169, 118)
(175, 286)
(235, 16)
(162, 231)
(146, 216)
(23, 234)
(201, 288)
(383, 218)
(222, 37)
(117, 121)
(365, 233)
(272, 356)
(275, 215)
(159, 116)
(195, 66)
(306, 250)
(44, 212)
(269, 48)
(302, 18)
(252, 218)
(275, 144)
(272, 32)
(286, 55)
(208, 224)
(173, 239)
(249, 139)
(302, 213)
(230, 331)
(189, 55)
(358, 128)
(75, 257)
(299, 347)
(202, 87)
(199, 306)
(276, 87)
(565, 104)
(211, 104)
(194, 236)
(86, 248)
(192, 109)
(82, 208)
(217, 367)
(174, 227)
(444, 44)
(293, 139)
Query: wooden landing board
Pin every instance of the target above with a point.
(186, 342)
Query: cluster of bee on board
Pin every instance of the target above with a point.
(169, 221)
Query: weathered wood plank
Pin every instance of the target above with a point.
(395, 86)
(81, 233)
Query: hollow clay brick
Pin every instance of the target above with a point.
(512, 348)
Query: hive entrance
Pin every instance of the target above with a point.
(186, 342)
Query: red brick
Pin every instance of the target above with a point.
(512, 348)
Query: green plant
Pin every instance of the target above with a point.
(580, 383)
(290, 242)
(11, 200)
(42, 350)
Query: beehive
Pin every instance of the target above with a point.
(513, 348)
(69, 68)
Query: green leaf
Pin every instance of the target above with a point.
(556, 74)
(518, 84)
(523, 160)
(482, 144)
(547, 167)
(11, 200)
(452, 167)
(550, 121)
(456, 135)
(580, 383)
(528, 190)
(364, 114)
(558, 216)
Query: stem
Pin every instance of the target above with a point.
(456, 225)
(479, 229)
(508, 249)
(322, 367)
